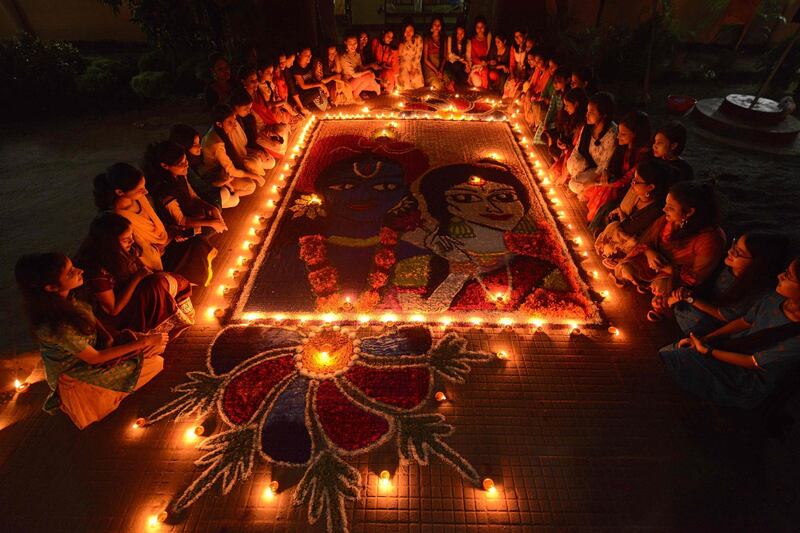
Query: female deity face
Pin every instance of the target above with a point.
(363, 190)
(486, 203)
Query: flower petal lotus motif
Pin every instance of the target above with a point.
(312, 398)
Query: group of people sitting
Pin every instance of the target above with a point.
(103, 319)
(657, 229)
(364, 67)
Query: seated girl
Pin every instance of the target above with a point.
(267, 120)
(330, 73)
(433, 57)
(166, 166)
(457, 66)
(387, 60)
(89, 371)
(121, 189)
(499, 63)
(668, 145)
(742, 362)
(753, 261)
(639, 209)
(518, 68)
(263, 143)
(567, 134)
(225, 161)
(354, 72)
(189, 139)
(596, 143)
(554, 106)
(583, 78)
(220, 86)
(268, 89)
(540, 101)
(681, 249)
(127, 294)
(633, 146)
(479, 45)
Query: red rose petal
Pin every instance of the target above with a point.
(244, 394)
(404, 387)
(347, 425)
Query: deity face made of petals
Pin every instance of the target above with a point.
(362, 188)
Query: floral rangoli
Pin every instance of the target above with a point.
(416, 216)
(311, 398)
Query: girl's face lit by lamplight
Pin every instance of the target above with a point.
(486, 203)
(196, 148)
(137, 193)
(126, 240)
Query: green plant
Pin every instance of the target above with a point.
(103, 78)
(152, 85)
(38, 73)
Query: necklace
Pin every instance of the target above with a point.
(323, 277)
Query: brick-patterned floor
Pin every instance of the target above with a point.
(579, 433)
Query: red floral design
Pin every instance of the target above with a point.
(404, 388)
(347, 425)
(553, 303)
(323, 281)
(385, 258)
(312, 249)
(245, 392)
(378, 279)
(388, 236)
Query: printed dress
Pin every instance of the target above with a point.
(410, 75)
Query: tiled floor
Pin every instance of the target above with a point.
(579, 433)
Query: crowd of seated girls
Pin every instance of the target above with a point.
(102, 321)
(657, 230)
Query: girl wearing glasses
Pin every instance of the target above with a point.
(743, 361)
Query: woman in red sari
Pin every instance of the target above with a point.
(387, 59)
(683, 248)
(127, 294)
(479, 46)
(633, 146)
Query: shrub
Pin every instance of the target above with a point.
(38, 73)
(154, 60)
(152, 84)
(103, 78)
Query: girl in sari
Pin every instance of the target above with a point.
(595, 144)
(89, 371)
(127, 294)
(479, 45)
(122, 189)
(273, 132)
(189, 139)
(633, 146)
(386, 59)
(681, 249)
(641, 207)
(433, 57)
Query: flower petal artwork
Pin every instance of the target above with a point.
(439, 216)
(312, 398)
